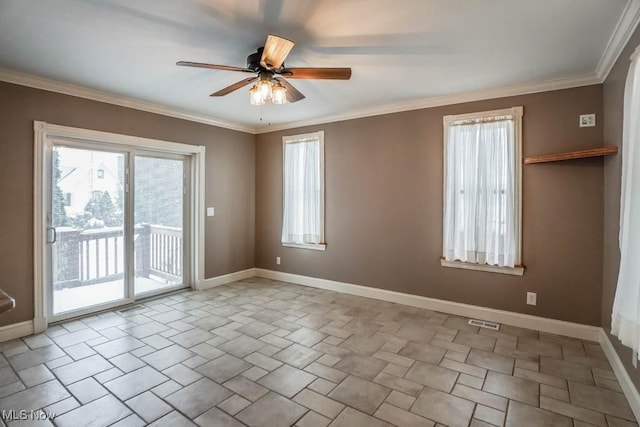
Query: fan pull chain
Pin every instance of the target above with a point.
(261, 120)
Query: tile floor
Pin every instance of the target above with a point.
(266, 353)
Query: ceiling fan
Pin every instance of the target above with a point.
(268, 64)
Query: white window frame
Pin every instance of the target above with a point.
(294, 139)
(517, 113)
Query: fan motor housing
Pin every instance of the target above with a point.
(253, 61)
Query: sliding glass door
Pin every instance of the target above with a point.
(87, 230)
(160, 213)
(117, 226)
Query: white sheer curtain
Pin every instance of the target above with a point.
(480, 193)
(302, 219)
(625, 319)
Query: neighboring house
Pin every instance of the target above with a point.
(87, 174)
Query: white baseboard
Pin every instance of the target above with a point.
(629, 389)
(559, 327)
(16, 330)
(227, 278)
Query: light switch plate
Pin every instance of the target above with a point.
(532, 298)
(210, 211)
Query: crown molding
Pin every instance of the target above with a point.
(43, 83)
(619, 38)
(37, 82)
(439, 101)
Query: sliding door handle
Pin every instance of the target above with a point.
(52, 235)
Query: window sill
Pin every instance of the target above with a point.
(312, 246)
(514, 271)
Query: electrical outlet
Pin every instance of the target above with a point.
(278, 260)
(211, 211)
(532, 298)
(587, 120)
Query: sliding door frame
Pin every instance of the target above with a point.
(44, 136)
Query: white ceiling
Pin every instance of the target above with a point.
(400, 50)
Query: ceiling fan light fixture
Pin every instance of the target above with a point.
(256, 96)
(264, 87)
(278, 94)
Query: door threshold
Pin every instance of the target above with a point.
(145, 298)
(119, 308)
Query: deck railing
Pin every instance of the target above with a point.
(160, 249)
(85, 257)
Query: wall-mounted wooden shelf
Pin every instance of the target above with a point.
(582, 154)
(6, 302)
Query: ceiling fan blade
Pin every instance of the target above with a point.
(275, 51)
(235, 86)
(213, 66)
(317, 73)
(293, 94)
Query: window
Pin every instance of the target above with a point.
(482, 191)
(303, 188)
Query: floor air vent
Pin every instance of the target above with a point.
(485, 324)
(132, 308)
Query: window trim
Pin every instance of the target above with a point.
(517, 113)
(292, 139)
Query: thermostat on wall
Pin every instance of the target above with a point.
(587, 120)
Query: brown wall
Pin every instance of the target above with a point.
(383, 197)
(384, 208)
(230, 180)
(613, 100)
